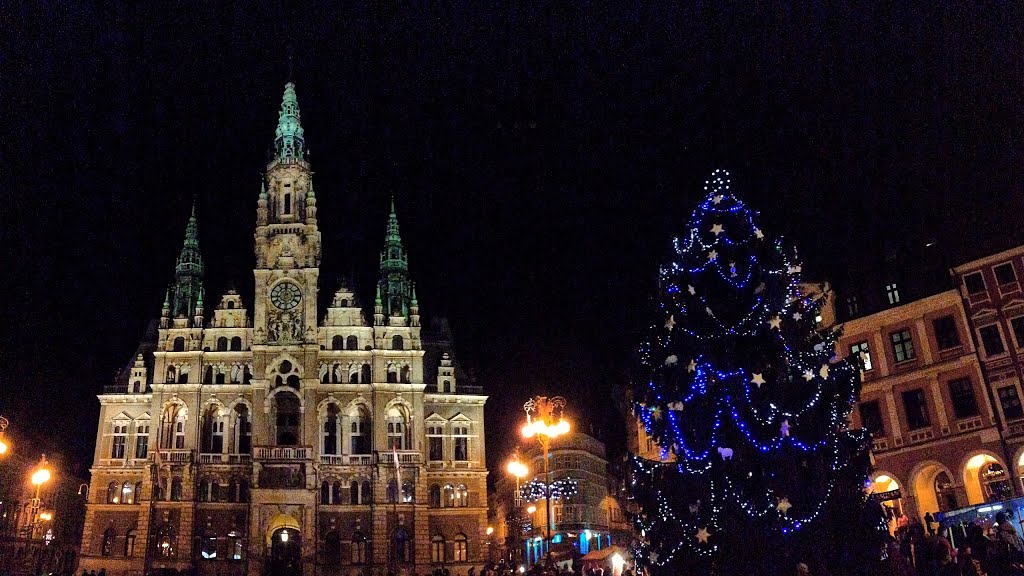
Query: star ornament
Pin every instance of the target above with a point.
(717, 229)
(717, 199)
(758, 379)
(712, 255)
(775, 322)
(692, 366)
(758, 234)
(824, 371)
(691, 290)
(656, 412)
(653, 556)
(784, 506)
(797, 316)
(703, 535)
(808, 375)
(670, 323)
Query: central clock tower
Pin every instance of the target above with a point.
(287, 239)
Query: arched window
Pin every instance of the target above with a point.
(366, 494)
(461, 548)
(179, 344)
(208, 375)
(172, 375)
(222, 344)
(330, 431)
(336, 495)
(236, 544)
(127, 493)
(325, 492)
(337, 343)
(353, 492)
(359, 548)
(287, 409)
(437, 549)
(213, 430)
(462, 496)
(243, 490)
(203, 491)
(392, 491)
(449, 496)
(403, 548)
(344, 303)
(332, 548)
(231, 305)
(243, 430)
(215, 495)
(447, 386)
(113, 495)
(129, 543)
(353, 377)
(293, 381)
(108, 542)
(406, 375)
(236, 344)
(138, 492)
(359, 431)
(176, 489)
(397, 343)
(220, 375)
(352, 343)
(392, 374)
(408, 492)
(396, 430)
(165, 542)
(364, 374)
(945, 493)
(233, 490)
(434, 498)
(179, 434)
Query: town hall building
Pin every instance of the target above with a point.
(287, 439)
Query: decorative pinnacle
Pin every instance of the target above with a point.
(263, 189)
(393, 223)
(289, 141)
(376, 299)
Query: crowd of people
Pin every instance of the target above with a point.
(984, 548)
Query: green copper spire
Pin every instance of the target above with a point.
(394, 270)
(289, 142)
(188, 272)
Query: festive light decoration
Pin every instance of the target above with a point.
(562, 488)
(756, 421)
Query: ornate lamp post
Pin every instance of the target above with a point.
(519, 470)
(4, 446)
(544, 420)
(39, 477)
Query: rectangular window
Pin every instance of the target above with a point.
(1005, 274)
(916, 408)
(946, 335)
(902, 345)
(142, 442)
(461, 444)
(117, 450)
(974, 283)
(871, 418)
(1018, 330)
(1010, 402)
(992, 340)
(861, 351)
(962, 393)
(852, 306)
(892, 293)
(435, 443)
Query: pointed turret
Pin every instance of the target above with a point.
(289, 141)
(394, 270)
(188, 272)
(414, 309)
(378, 309)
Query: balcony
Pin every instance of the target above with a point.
(225, 458)
(284, 453)
(404, 457)
(459, 389)
(451, 464)
(880, 445)
(172, 456)
(347, 459)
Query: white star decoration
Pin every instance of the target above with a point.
(758, 233)
(653, 556)
(712, 255)
(823, 371)
(692, 366)
(703, 535)
(797, 316)
(717, 229)
(775, 322)
(691, 290)
(717, 199)
(758, 379)
(670, 323)
(808, 375)
(784, 506)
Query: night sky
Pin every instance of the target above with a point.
(541, 159)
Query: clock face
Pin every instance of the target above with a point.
(285, 295)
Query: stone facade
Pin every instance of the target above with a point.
(289, 439)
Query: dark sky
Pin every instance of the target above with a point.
(541, 159)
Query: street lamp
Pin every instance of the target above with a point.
(4, 423)
(544, 421)
(519, 470)
(39, 477)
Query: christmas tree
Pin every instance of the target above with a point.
(740, 388)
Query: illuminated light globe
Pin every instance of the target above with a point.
(40, 476)
(738, 387)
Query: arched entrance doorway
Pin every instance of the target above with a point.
(284, 546)
(933, 489)
(888, 492)
(286, 552)
(986, 480)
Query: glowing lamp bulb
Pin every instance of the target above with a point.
(490, 530)
(284, 536)
(3, 447)
(617, 561)
(531, 509)
(40, 476)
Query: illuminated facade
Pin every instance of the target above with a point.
(286, 438)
